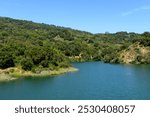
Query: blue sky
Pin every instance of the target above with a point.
(96, 16)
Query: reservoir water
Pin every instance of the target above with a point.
(93, 81)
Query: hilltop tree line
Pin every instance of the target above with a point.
(34, 46)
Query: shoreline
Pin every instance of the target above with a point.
(11, 74)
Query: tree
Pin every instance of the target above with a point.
(6, 59)
(45, 63)
(27, 64)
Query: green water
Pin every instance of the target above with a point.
(94, 80)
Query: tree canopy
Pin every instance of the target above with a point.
(33, 45)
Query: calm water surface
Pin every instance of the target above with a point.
(94, 80)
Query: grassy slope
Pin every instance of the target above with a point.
(107, 46)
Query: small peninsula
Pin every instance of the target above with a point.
(10, 74)
(34, 49)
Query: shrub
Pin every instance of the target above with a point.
(6, 60)
(27, 64)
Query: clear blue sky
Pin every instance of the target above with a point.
(96, 16)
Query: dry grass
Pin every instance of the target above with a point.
(129, 55)
(14, 73)
(6, 77)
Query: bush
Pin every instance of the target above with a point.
(6, 60)
(27, 64)
(44, 63)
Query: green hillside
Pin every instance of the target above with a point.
(36, 47)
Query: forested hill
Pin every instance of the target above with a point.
(33, 46)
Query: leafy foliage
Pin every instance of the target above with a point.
(33, 45)
(27, 64)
